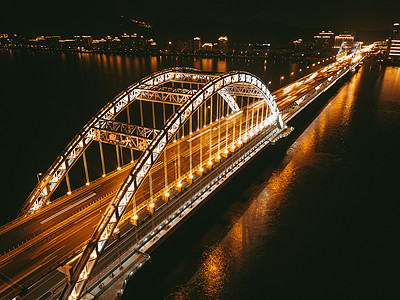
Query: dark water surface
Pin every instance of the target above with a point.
(314, 217)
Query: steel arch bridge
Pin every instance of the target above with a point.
(237, 100)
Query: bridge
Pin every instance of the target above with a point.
(138, 169)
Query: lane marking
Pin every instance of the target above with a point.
(67, 208)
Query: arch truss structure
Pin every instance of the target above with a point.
(187, 90)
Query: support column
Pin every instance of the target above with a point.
(258, 109)
(163, 112)
(226, 138)
(103, 166)
(134, 219)
(233, 134)
(247, 122)
(252, 117)
(118, 159)
(240, 127)
(211, 130)
(166, 193)
(219, 126)
(190, 150)
(154, 114)
(151, 187)
(141, 112)
(86, 168)
(201, 157)
(205, 114)
(68, 184)
(129, 121)
(179, 183)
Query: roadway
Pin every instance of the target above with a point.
(55, 234)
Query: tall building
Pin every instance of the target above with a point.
(207, 46)
(196, 44)
(325, 39)
(339, 39)
(223, 44)
(394, 43)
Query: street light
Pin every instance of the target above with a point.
(37, 176)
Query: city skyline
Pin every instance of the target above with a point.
(260, 20)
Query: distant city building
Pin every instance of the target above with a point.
(184, 46)
(325, 39)
(207, 47)
(298, 41)
(196, 44)
(223, 44)
(381, 45)
(85, 41)
(66, 44)
(4, 40)
(394, 43)
(339, 39)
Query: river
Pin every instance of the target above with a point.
(314, 217)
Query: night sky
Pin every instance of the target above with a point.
(52, 17)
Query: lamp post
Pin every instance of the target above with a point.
(37, 176)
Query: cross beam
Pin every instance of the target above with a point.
(193, 77)
(123, 134)
(130, 129)
(165, 95)
(242, 90)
